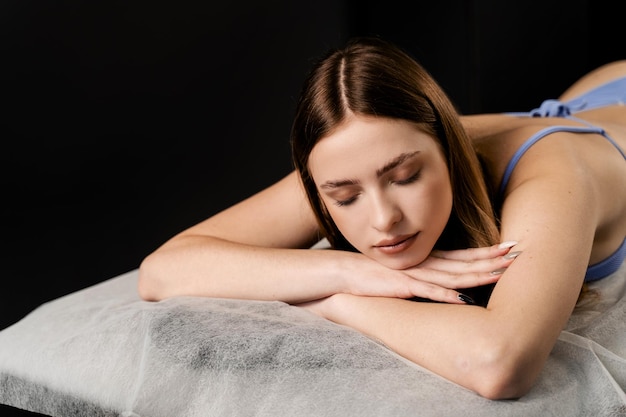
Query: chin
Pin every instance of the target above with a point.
(400, 262)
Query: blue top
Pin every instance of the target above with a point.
(608, 94)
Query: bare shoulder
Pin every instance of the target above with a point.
(496, 138)
(586, 163)
(565, 158)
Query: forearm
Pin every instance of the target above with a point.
(468, 345)
(212, 267)
(202, 265)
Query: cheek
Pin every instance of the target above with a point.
(345, 220)
(442, 193)
(441, 185)
(434, 201)
(351, 223)
(442, 190)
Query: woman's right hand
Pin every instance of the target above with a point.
(438, 278)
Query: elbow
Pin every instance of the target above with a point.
(147, 284)
(504, 385)
(505, 373)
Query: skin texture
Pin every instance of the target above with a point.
(563, 209)
(392, 211)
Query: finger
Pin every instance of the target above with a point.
(440, 294)
(444, 279)
(455, 281)
(452, 266)
(471, 254)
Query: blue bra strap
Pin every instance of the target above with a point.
(607, 266)
(534, 139)
(611, 93)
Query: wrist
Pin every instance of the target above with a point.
(344, 271)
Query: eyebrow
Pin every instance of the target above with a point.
(379, 172)
(395, 162)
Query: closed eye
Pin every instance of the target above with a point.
(408, 180)
(405, 181)
(345, 202)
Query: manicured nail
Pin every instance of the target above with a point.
(498, 271)
(507, 244)
(466, 299)
(512, 255)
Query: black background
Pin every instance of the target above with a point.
(124, 122)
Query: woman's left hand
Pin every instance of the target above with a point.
(438, 278)
(465, 268)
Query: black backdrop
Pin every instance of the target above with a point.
(124, 122)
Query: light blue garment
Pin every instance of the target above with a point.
(608, 94)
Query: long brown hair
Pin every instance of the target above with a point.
(370, 76)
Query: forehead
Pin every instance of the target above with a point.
(367, 142)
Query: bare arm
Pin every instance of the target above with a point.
(217, 256)
(500, 350)
(258, 249)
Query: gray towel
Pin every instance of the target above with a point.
(102, 351)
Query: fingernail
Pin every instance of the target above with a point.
(498, 271)
(507, 244)
(466, 299)
(512, 255)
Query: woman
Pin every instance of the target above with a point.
(385, 170)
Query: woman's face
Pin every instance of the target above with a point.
(386, 185)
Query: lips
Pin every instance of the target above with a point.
(396, 245)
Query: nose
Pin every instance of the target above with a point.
(385, 213)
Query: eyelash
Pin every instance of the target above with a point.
(347, 202)
(410, 180)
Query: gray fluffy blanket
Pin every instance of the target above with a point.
(102, 351)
